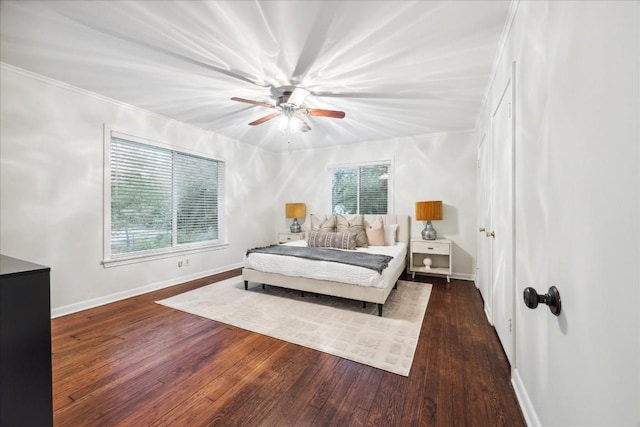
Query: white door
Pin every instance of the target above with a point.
(594, 222)
(579, 224)
(501, 227)
(483, 264)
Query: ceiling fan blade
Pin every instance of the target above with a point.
(325, 113)
(264, 119)
(249, 101)
(298, 96)
(305, 126)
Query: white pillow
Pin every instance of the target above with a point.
(390, 234)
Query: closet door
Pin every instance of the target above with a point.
(483, 268)
(501, 231)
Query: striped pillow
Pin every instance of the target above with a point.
(319, 239)
(354, 224)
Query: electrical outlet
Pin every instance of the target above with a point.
(179, 263)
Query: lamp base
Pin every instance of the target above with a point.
(429, 233)
(295, 226)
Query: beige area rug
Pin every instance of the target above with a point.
(332, 325)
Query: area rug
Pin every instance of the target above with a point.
(332, 325)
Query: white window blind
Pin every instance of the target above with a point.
(361, 189)
(161, 199)
(197, 199)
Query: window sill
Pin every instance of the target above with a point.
(107, 263)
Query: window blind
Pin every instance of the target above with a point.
(373, 196)
(161, 199)
(360, 189)
(197, 199)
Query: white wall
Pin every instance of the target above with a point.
(425, 167)
(51, 175)
(577, 191)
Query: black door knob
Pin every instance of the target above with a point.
(552, 299)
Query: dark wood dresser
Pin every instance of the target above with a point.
(25, 344)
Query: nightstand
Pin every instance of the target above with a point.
(439, 251)
(286, 236)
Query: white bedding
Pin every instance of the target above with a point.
(324, 270)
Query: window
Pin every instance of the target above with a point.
(362, 189)
(161, 200)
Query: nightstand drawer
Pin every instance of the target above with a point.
(290, 237)
(430, 247)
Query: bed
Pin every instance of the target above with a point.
(306, 276)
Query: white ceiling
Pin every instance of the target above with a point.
(396, 68)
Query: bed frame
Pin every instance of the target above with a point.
(336, 288)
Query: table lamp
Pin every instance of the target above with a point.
(429, 211)
(295, 211)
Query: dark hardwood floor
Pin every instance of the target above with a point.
(138, 363)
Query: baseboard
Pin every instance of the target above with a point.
(488, 314)
(529, 412)
(107, 299)
(464, 276)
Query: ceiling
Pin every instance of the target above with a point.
(396, 68)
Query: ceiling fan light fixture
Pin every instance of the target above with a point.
(290, 124)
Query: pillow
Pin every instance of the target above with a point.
(375, 234)
(355, 224)
(319, 239)
(326, 223)
(390, 234)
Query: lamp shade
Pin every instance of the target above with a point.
(428, 211)
(294, 210)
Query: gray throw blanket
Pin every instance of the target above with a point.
(371, 261)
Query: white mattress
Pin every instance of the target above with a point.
(324, 270)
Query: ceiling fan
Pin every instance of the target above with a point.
(289, 105)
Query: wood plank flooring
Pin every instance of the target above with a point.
(137, 363)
